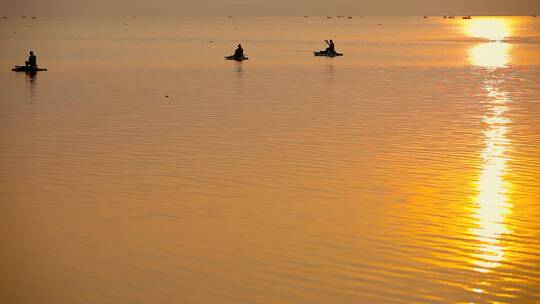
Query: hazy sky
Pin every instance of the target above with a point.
(268, 7)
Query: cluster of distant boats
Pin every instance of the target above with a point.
(24, 17)
(453, 17)
(463, 17)
(330, 17)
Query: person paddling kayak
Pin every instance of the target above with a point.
(30, 66)
(238, 54)
(330, 50)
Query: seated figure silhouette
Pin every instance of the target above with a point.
(239, 53)
(32, 61)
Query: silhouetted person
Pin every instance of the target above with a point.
(32, 61)
(331, 48)
(239, 52)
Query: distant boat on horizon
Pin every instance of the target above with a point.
(467, 17)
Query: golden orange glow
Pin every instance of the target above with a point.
(491, 29)
(492, 206)
(493, 54)
(490, 54)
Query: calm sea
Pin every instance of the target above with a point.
(144, 168)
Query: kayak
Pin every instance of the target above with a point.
(326, 54)
(27, 69)
(235, 58)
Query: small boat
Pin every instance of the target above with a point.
(326, 54)
(27, 69)
(425, 17)
(467, 17)
(239, 59)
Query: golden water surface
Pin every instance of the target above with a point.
(144, 168)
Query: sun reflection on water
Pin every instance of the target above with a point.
(490, 55)
(495, 53)
(492, 204)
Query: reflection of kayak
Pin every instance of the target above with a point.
(23, 68)
(326, 54)
(232, 57)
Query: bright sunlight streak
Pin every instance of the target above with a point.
(492, 201)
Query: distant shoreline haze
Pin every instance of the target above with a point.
(255, 8)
